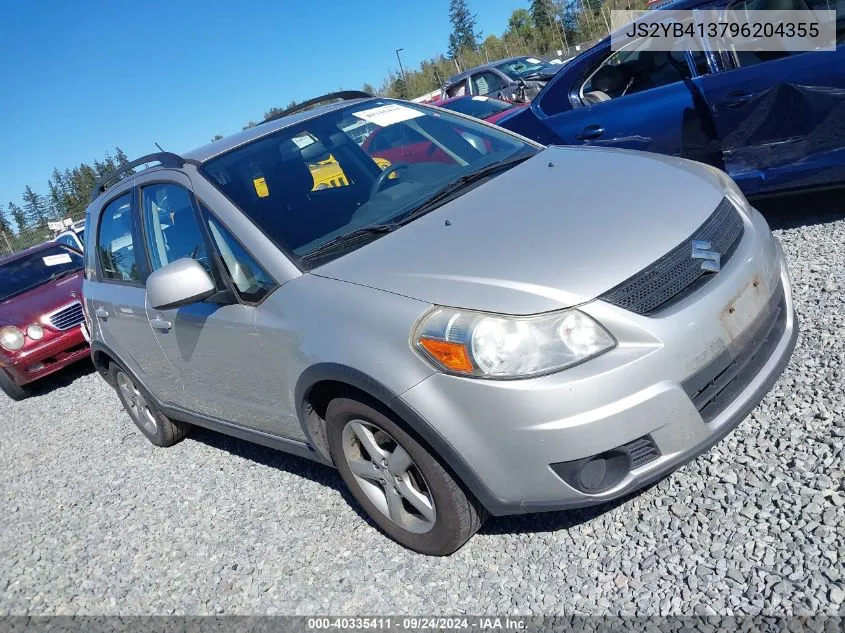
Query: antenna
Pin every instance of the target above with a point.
(158, 146)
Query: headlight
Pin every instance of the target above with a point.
(11, 338)
(35, 332)
(498, 346)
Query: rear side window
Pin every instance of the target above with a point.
(115, 243)
(744, 58)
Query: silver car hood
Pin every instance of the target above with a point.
(553, 232)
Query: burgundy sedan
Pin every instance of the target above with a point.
(486, 108)
(41, 318)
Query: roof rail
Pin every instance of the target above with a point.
(343, 95)
(167, 159)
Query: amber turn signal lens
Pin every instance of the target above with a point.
(451, 355)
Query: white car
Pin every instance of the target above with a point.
(73, 236)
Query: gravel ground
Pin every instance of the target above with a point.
(95, 520)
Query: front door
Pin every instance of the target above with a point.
(213, 347)
(634, 98)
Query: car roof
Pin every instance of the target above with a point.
(215, 148)
(32, 249)
(466, 73)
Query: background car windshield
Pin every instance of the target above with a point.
(317, 180)
(524, 67)
(30, 271)
(479, 107)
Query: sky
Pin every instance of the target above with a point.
(79, 78)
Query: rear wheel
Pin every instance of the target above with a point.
(402, 486)
(158, 428)
(11, 388)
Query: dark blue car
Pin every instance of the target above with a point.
(775, 121)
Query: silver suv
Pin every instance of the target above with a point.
(460, 321)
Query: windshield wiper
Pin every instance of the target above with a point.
(461, 183)
(347, 238)
(66, 273)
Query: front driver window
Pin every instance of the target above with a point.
(635, 69)
(171, 226)
(486, 83)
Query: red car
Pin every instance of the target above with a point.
(486, 108)
(41, 318)
(399, 144)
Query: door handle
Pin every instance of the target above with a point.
(590, 132)
(101, 313)
(160, 324)
(737, 99)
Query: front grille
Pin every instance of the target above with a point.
(67, 317)
(719, 382)
(676, 274)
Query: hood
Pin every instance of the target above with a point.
(496, 118)
(27, 308)
(555, 231)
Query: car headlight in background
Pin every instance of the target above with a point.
(35, 332)
(11, 338)
(498, 346)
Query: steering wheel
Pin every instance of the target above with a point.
(384, 175)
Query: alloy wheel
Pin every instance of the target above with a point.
(388, 476)
(136, 404)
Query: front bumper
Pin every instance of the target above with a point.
(516, 438)
(50, 356)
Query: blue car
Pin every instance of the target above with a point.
(774, 121)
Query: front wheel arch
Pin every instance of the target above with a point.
(320, 384)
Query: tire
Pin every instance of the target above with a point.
(424, 509)
(11, 388)
(156, 427)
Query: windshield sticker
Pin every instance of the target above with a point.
(388, 114)
(479, 98)
(261, 187)
(56, 260)
(303, 141)
(531, 60)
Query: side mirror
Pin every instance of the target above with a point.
(180, 283)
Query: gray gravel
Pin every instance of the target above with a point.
(95, 520)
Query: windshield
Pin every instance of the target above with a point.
(30, 271)
(479, 107)
(524, 67)
(318, 180)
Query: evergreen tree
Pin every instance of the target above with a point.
(34, 207)
(463, 36)
(18, 216)
(5, 227)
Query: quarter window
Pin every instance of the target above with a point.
(115, 243)
(251, 280)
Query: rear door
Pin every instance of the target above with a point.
(213, 345)
(115, 297)
(634, 98)
(780, 115)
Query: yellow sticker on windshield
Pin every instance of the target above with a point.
(261, 187)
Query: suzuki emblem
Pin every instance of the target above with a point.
(711, 260)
